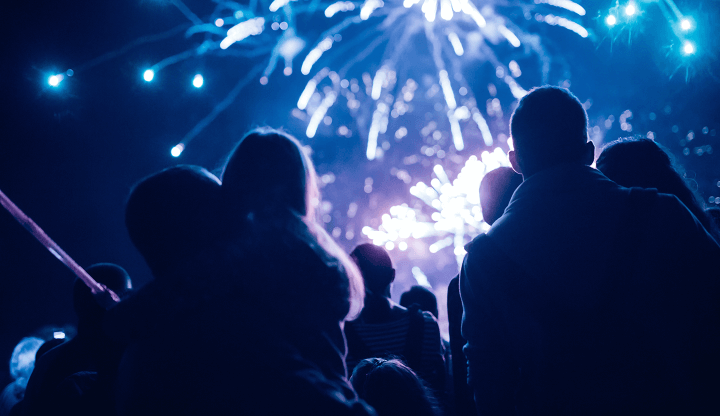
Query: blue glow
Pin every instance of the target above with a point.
(219, 22)
(177, 150)
(54, 80)
(688, 48)
(630, 9)
(148, 75)
(685, 24)
(611, 20)
(198, 81)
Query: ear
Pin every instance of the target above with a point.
(514, 162)
(589, 153)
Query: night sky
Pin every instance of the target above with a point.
(69, 155)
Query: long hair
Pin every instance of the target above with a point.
(270, 178)
(641, 162)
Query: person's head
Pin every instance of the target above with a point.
(268, 171)
(376, 268)
(640, 162)
(392, 388)
(171, 215)
(422, 297)
(549, 128)
(496, 189)
(88, 311)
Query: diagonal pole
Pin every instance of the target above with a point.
(104, 295)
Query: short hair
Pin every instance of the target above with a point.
(549, 127)
(112, 276)
(283, 177)
(172, 214)
(375, 266)
(422, 297)
(392, 388)
(496, 189)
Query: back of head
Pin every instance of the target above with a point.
(392, 388)
(496, 189)
(639, 162)
(548, 128)
(422, 297)
(375, 266)
(269, 172)
(88, 311)
(172, 215)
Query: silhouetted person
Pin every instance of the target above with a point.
(393, 389)
(302, 283)
(233, 343)
(385, 327)
(581, 299)
(424, 299)
(89, 351)
(496, 189)
(640, 162)
(171, 218)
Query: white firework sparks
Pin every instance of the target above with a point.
(451, 215)
(451, 29)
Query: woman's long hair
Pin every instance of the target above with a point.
(640, 162)
(269, 178)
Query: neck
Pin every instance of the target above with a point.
(377, 309)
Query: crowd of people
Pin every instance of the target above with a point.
(595, 291)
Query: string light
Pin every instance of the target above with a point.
(54, 80)
(685, 24)
(688, 48)
(198, 81)
(630, 9)
(177, 150)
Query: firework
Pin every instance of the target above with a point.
(385, 36)
(450, 214)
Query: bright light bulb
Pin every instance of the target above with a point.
(688, 48)
(219, 22)
(54, 80)
(630, 9)
(198, 81)
(148, 75)
(685, 24)
(611, 20)
(177, 150)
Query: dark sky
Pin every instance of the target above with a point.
(68, 156)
